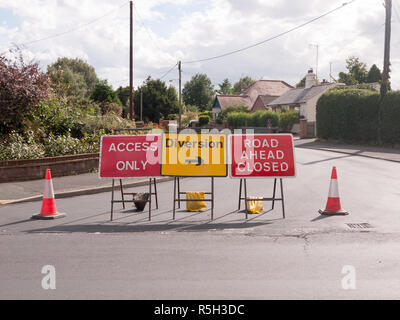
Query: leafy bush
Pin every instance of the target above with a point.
(206, 113)
(61, 145)
(260, 118)
(110, 107)
(189, 108)
(188, 116)
(17, 147)
(257, 119)
(203, 120)
(55, 116)
(288, 119)
(224, 113)
(22, 87)
(391, 118)
(238, 119)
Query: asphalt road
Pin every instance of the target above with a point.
(266, 257)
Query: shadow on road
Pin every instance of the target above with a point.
(332, 158)
(156, 227)
(233, 220)
(320, 217)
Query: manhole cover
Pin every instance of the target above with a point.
(359, 225)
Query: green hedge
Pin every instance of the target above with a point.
(288, 119)
(257, 119)
(391, 118)
(352, 115)
(204, 120)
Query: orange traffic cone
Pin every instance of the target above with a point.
(333, 206)
(49, 210)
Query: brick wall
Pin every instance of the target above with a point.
(20, 170)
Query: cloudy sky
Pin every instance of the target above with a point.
(166, 31)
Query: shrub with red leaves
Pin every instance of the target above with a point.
(22, 87)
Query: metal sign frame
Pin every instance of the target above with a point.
(178, 192)
(273, 199)
(261, 177)
(123, 201)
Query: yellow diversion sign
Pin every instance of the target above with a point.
(194, 155)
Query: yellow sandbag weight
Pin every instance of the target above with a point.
(254, 206)
(194, 206)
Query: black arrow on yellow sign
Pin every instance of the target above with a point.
(197, 162)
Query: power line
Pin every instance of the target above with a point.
(271, 38)
(396, 12)
(165, 74)
(73, 29)
(146, 28)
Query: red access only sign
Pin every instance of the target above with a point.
(130, 156)
(262, 155)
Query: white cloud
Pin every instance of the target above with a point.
(204, 29)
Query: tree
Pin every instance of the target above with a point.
(73, 76)
(347, 79)
(374, 74)
(158, 100)
(199, 92)
(103, 92)
(242, 84)
(225, 87)
(302, 83)
(357, 69)
(357, 72)
(22, 87)
(123, 95)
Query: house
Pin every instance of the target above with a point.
(305, 101)
(262, 102)
(267, 89)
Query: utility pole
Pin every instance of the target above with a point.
(141, 104)
(131, 64)
(180, 95)
(386, 65)
(386, 61)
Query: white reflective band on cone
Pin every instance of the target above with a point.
(48, 192)
(333, 189)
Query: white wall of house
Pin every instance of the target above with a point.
(311, 107)
(303, 110)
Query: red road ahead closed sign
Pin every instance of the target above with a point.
(130, 156)
(262, 155)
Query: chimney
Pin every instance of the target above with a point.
(311, 79)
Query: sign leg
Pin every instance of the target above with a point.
(179, 193)
(273, 196)
(283, 201)
(245, 198)
(155, 191)
(122, 193)
(112, 201)
(212, 199)
(150, 199)
(240, 192)
(173, 210)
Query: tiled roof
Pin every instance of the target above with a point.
(266, 87)
(300, 95)
(226, 101)
(267, 99)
